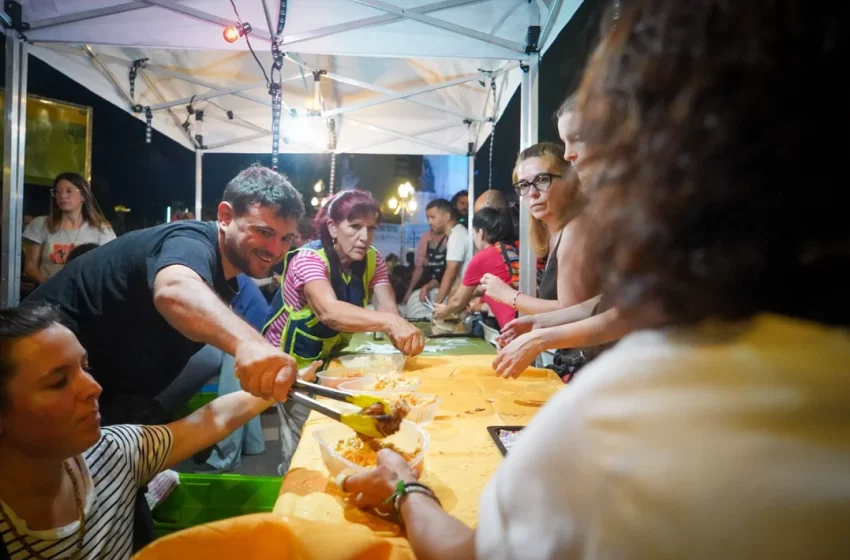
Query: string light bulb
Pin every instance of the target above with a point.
(233, 32)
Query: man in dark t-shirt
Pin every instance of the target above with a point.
(144, 303)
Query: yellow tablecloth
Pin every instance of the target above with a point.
(460, 460)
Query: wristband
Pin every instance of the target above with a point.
(402, 489)
(340, 480)
(516, 296)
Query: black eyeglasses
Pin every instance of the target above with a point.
(541, 182)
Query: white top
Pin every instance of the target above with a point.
(686, 444)
(56, 246)
(457, 247)
(123, 460)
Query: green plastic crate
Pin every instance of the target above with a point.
(202, 498)
(206, 395)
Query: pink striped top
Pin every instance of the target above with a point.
(307, 266)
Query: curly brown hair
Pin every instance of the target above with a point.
(713, 195)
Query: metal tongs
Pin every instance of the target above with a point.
(365, 424)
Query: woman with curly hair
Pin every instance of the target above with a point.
(722, 431)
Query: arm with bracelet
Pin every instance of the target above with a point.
(433, 533)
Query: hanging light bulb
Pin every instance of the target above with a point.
(232, 33)
(318, 186)
(324, 201)
(314, 201)
(392, 203)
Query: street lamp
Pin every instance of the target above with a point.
(319, 200)
(405, 204)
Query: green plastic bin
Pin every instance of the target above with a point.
(206, 395)
(202, 498)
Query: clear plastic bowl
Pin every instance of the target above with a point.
(333, 377)
(423, 414)
(490, 334)
(375, 364)
(359, 386)
(409, 437)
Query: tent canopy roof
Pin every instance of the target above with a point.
(397, 76)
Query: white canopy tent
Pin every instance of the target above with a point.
(360, 76)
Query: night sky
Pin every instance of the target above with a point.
(149, 177)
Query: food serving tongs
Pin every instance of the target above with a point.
(365, 424)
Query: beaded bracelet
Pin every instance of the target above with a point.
(404, 488)
(516, 296)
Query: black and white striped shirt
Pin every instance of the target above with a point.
(124, 459)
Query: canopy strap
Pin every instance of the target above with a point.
(275, 87)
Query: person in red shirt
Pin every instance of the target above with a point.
(495, 239)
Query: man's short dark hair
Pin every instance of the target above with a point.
(17, 323)
(263, 186)
(458, 195)
(443, 205)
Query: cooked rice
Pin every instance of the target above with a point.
(391, 382)
(412, 399)
(365, 453)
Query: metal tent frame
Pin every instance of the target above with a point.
(517, 56)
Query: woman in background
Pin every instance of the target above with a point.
(493, 234)
(75, 219)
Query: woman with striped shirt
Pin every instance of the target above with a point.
(329, 282)
(68, 487)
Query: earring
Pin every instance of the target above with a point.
(334, 240)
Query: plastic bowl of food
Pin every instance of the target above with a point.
(334, 376)
(344, 452)
(423, 407)
(381, 384)
(375, 364)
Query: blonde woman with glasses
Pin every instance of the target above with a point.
(549, 187)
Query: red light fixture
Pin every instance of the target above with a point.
(232, 33)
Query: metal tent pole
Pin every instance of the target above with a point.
(199, 183)
(528, 137)
(13, 168)
(470, 191)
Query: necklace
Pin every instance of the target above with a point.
(80, 513)
(76, 236)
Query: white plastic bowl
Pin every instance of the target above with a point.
(422, 414)
(359, 386)
(333, 377)
(375, 364)
(409, 437)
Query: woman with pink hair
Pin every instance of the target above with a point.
(328, 282)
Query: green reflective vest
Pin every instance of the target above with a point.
(304, 337)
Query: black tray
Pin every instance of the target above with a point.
(494, 433)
